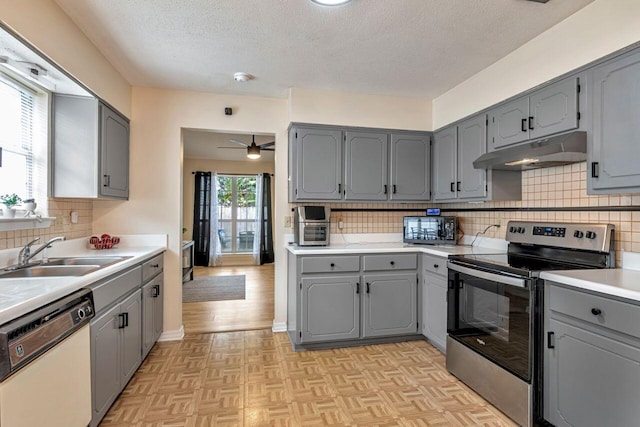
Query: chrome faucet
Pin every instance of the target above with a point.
(26, 255)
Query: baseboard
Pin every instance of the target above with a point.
(279, 326)
(172, 335)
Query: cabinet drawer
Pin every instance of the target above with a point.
(151, 267)
(317, 264)
(107, 292)
(434, 264)
(616, 315)
(390, 262)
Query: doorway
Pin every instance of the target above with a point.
(234, 179)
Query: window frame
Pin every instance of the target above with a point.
(234, 221)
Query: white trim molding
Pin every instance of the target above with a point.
(172, 335)
(279, 326)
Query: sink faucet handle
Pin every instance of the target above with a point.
(26, 251)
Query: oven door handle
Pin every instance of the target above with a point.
(499, 278)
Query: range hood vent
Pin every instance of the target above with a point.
(543, 153)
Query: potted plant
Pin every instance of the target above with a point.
(10, 201)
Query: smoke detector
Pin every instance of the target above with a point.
(242, 77)
(331, 2)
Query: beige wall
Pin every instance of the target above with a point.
(350, 109)
(155, 201)
(46, 26)
(219, 166)
(593, 32)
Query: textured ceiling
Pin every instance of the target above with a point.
(203, 144)
(413, 48)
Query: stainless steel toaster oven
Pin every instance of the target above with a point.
(311, 225)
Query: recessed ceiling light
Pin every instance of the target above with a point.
(331, 2)
(242, 77)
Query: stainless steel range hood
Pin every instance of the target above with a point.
(543, 153)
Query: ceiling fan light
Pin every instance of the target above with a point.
(253, 152)
(330, 2)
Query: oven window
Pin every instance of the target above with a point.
(494, 319)
(315, 233)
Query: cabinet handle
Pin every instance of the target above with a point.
(435, 266)
(524, 125)
(393, 263)
(595, 169)
(155, 291)
(550, 341)
(121, 324)
(385, 189)
(596, 311)
(106, 181)
(530, 123)
(332, 265)
(453, 190)
(357, 288)
(155, 265)
(458, 186)
(339, 188)
(126, 319)
(394, 189)
(368, 287)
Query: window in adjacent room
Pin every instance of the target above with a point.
(236, 213)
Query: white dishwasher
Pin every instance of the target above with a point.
(45, 369)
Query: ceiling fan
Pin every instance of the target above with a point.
(253, 150)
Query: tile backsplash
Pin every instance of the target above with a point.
(60, 209)
(557, 187)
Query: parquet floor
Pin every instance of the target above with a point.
(254, 378)
(254, 312)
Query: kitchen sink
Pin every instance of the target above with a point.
(49, 271)
(99, 261)
(71, 266)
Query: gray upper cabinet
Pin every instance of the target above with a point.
(390, 304)
(90, 149)
(410, 167)
(445, 163)
(114, 154)
(366, 164)
(547, 111)
(472, 143)
(329, 163)
(317, 171)
(614, 146)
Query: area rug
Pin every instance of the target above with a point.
(215, 288)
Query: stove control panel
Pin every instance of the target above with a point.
(592, 237)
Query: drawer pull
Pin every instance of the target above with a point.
(393, 263)
(596, 311)
(332, 265)
(436, 266)
(155, 265)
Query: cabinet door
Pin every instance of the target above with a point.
(366, 163)
(434, 310)
(554, 109)
(330, 308)
(390, 304)
(509, 123)
(131, 336)
(114, 154)
(148, 312)
(318, 168)
(105, 363)
(616, 113)
(444, 164)
(590, 379)
(158, 314)
(472, 143)
(410, 167)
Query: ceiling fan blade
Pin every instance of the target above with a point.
(267, 149)
(267, 144)
(237, 141)
(234, 148)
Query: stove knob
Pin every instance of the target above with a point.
(81, 313)
(579, 234)
(590, 235)
(512, 229)
(521, 230)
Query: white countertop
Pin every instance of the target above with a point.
(19, 296)
(390, 247)
(618, 282)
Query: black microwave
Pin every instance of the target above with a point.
(430, 230)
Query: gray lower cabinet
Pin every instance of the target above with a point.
(434, 300)
(549, 110)
(90, 149)
(390, 305)
(613, 147)
(455, 179)
(330, 308)
(115, 352)
(338, 298)
(592, 360)
(152, 313)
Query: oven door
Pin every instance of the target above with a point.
(492, 313)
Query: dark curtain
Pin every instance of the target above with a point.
(202, 218)
(266, 231)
